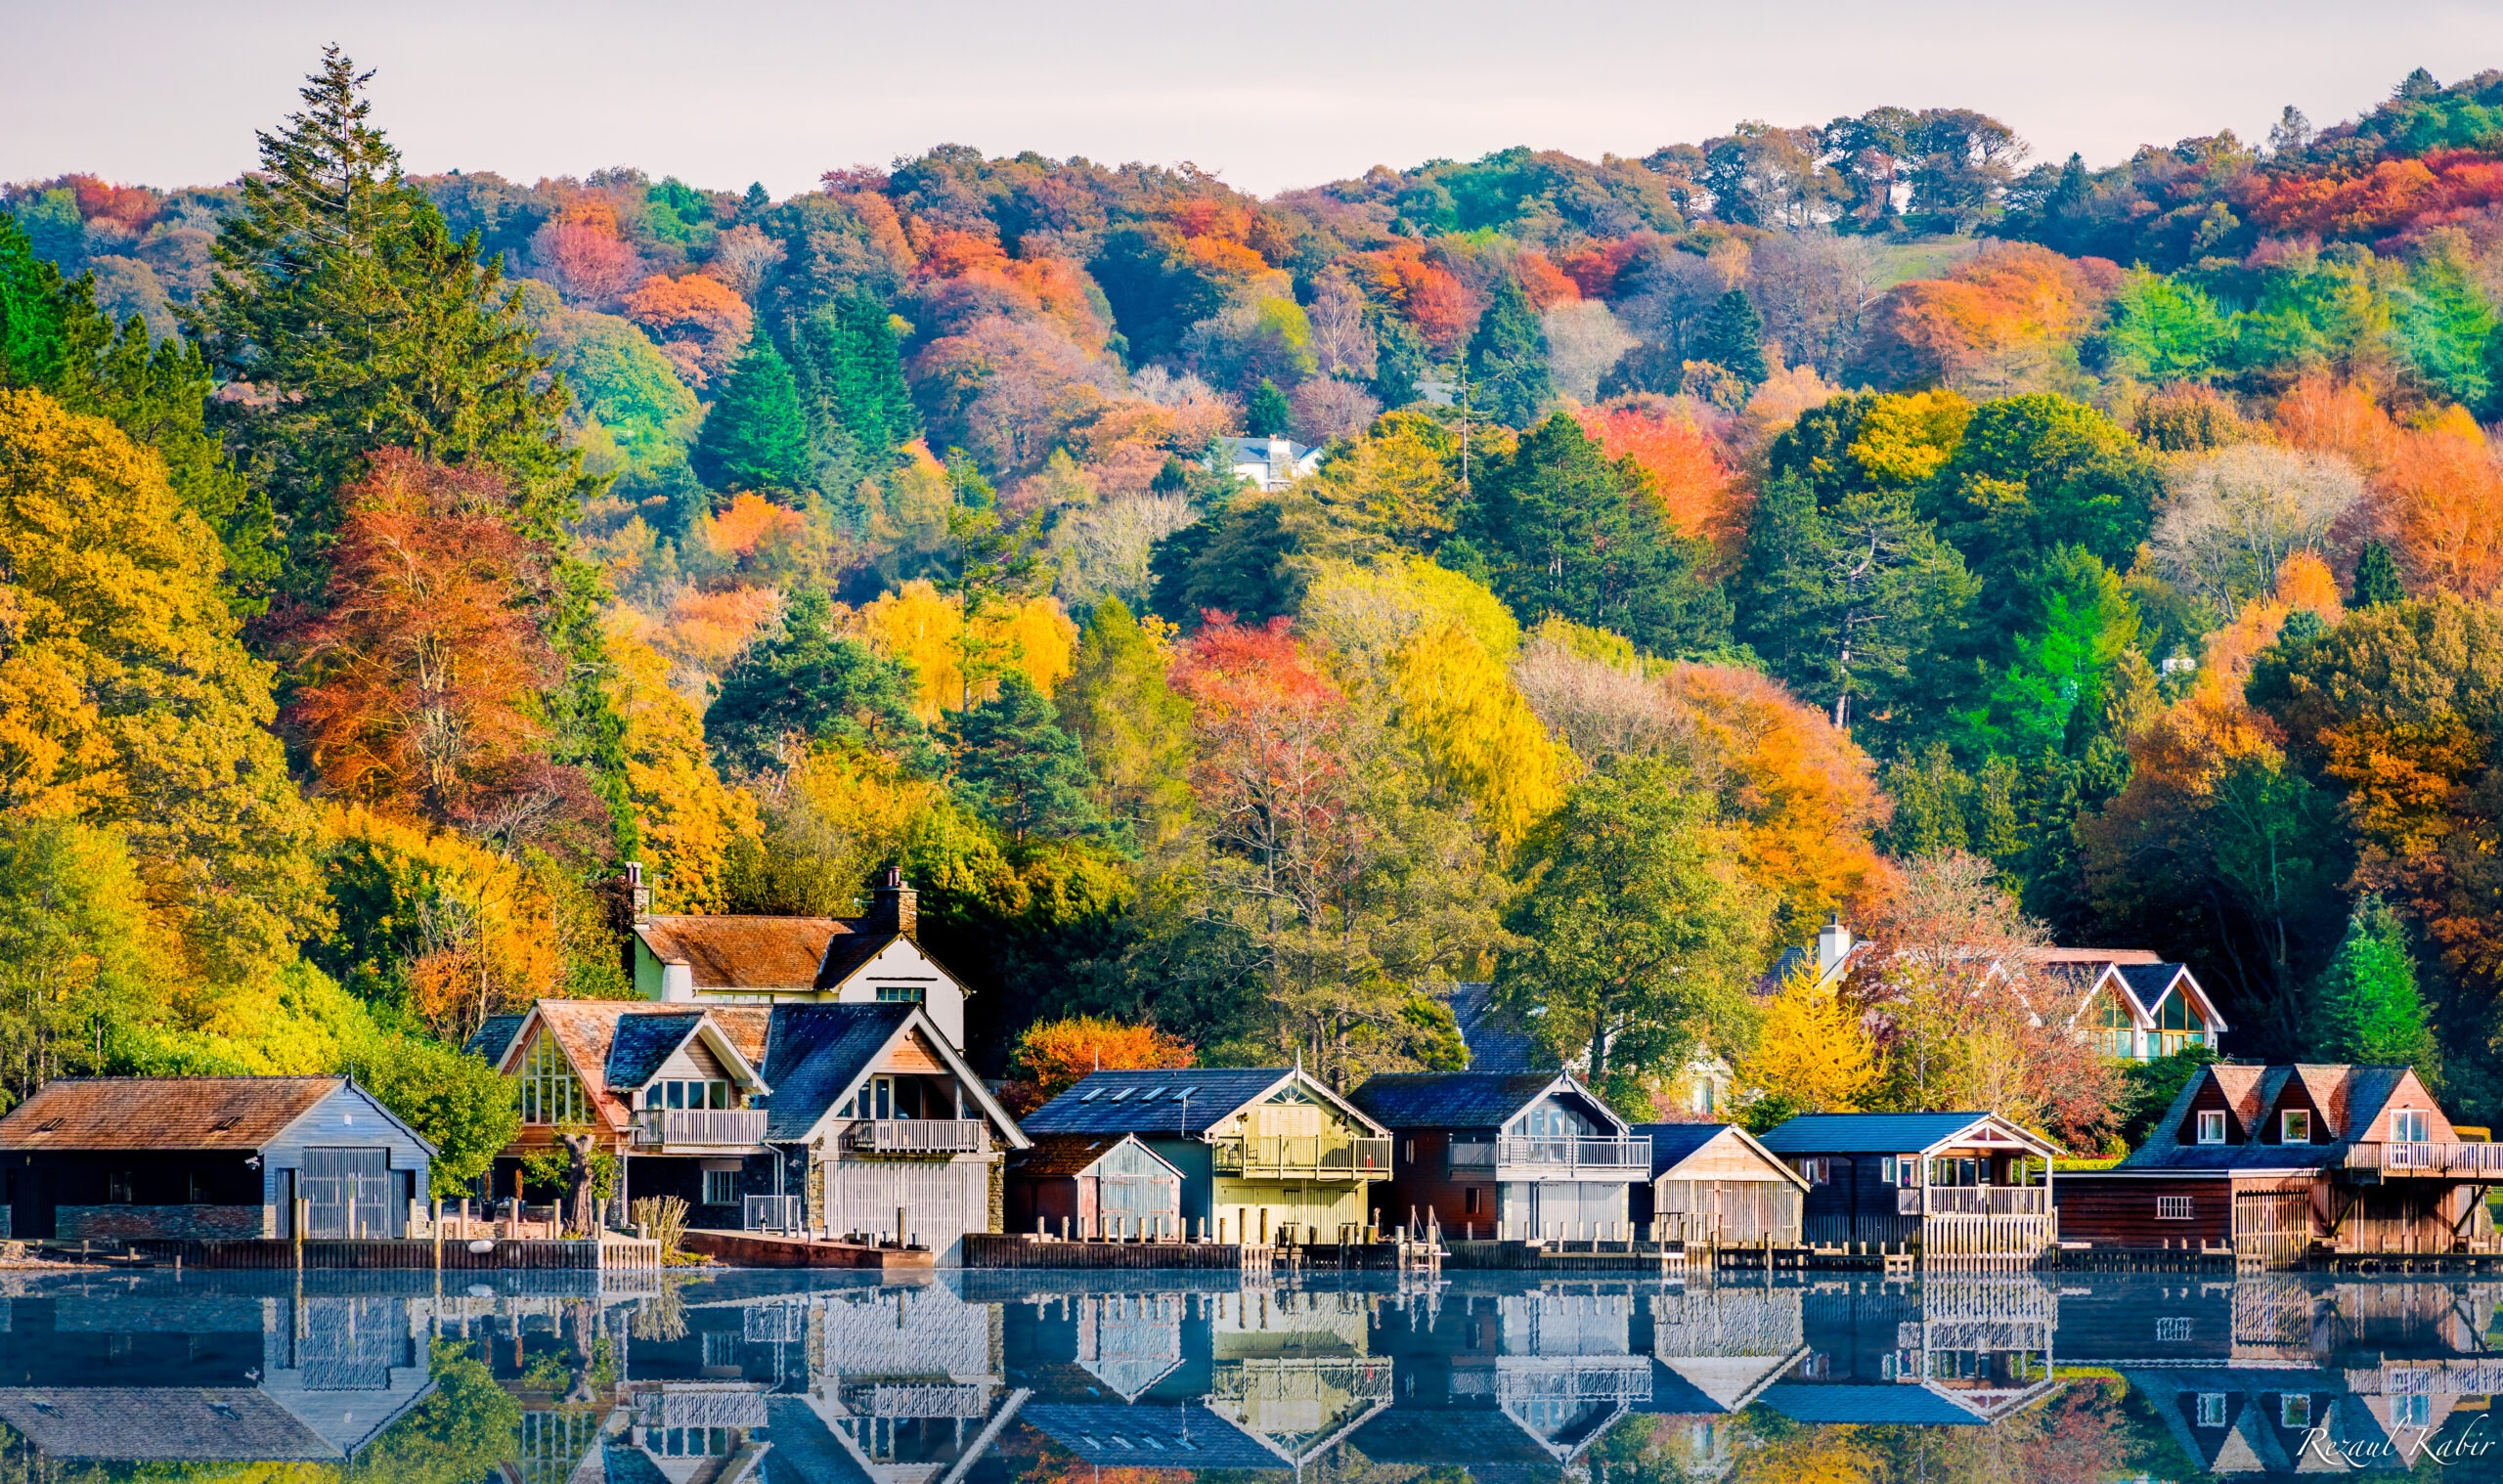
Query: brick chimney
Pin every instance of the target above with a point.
(892, 905)
(639, 896)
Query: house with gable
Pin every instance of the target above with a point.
(815, 1117)
(1267, 1155)
(2276, 1160)
(1515, 1156)
(874, 959)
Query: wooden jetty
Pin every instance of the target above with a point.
(759, 1249)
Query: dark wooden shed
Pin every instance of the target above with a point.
(1094, 1185)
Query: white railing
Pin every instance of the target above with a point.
(918, 1136)
(1324, 1156)
(2412, 1159)
(772, 1213)
(1973, 1200)
(708, 1127)
(1556, 1153)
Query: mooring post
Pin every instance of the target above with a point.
(436, 1226)
(303, 1214)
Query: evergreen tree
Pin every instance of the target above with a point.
(1136, 732)
(2366, 1007)
(1018, 769)
(1557, 527)
(1402, 359)
(2376, 578)
(848, 376)
(360, 322)
(756, 437)
(1733, 338)
(1267, 415)
(811, 682)
(1507, 357)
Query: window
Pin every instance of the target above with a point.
(1886, 1169)
(117, 1187)
(2212, 1408)
(1816, 1171)
(2212, 1126)
(550, 1093)
(1549, 1120)
(720, 1187)
(687, 1093)
(2119, 1033)
(2173, 1330)
(198, 1195)
(2293, 1412)
(1408, 1150)
(2411, 1125)
(2294, 1126)
(891, 1098)
(900, 994)
(2176, 1025)
(1472, 1201)
(2172, 1207)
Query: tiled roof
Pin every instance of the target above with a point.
(1453, 1099)
(816, 1053)
(1867, 1133)
(1493, 1046)
(743, 952)
(642, 1042)
(173, 1424)
(493, 1038)
(162, 1113)
(2349, 1097)
(588, 1030)
(1070, 1154)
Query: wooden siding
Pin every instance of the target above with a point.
(2410, 1094)
(2210, 1098)
(694, 1061)
(1720, 1212)
(912, 1054)
(2120, 1211)
(347, 1118)
(942, 1201)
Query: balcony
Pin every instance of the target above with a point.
(1531, 1158)
(917, 1136)
(2433, 1162)
(1324, 1156)
(1973, 1200)
(665, 1128)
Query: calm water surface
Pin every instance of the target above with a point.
(994, 1378)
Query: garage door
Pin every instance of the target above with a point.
(348, 1191)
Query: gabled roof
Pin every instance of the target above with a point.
(240, 1114)
(1059, 1154)
(2348, 1099)
(183, 1424)
(848, 954)
(1154, 1103)
(643, 1043)
(1147, 1435)
(586, 1031)
(819, 1054)
(742, 952)
(2143, 983)
(1888, 1133)
(493, 1038)
(1466, 1099)
(1673, 1143)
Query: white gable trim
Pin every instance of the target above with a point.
(1163, 1164)
(1993, 1130)
(1298, 1078)
(1728, 1130)
(1011, 1135)
(929, 968)
(1566, 1082)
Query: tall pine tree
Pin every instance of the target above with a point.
(1733, 338)
(848, 375)
(2366, 1008)
(1507, 357)
(2376, 578)
(756, 437)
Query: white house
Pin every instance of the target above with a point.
(1272, 463)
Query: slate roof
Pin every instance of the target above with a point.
(642, 1042)
(2348, 1098)
(162, 1113)
(1898, 1405)
(854, 948)
(1457, 1099)
(1120, 1102)
(163, 1423)
(1492, 1047)
(743, 952)
(493, 1038)
(1059, 1154)
(817, 1051)
(588, 1030)
(1867, 1133)
(1673, 1142)
(1149, 1436)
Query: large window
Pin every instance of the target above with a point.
(2119, 1033)
(687, 1093)
(2411, 1125)
(2177, 1026)
(720, 1187)
(550, 1093)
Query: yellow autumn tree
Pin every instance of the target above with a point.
(1482, 738)
(960, 666)
(127, 700)
(687, 817)
(1812, 1053)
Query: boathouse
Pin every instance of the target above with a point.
(1508, 1156)
(1717, 1184)
(1094, 1185)
(1961, 1184)
(822, 1118)
(2275, 1161)
(123, 1158)
(1268, 1154)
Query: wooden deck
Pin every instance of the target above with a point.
(479, 1253)
(758, 1250)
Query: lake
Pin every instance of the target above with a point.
(996, 1377)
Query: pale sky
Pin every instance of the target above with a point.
(168, 92)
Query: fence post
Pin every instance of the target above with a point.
(303, 1214)
(437, 1228)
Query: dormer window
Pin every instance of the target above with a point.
(2411, 1125)
(2294, 1126)
(2212, 1126)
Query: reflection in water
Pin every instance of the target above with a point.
(1040, 1379)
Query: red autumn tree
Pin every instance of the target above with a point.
(1271, 778)
(1053, 1054)
(421, 674)
(700, 322)
(1696, 490)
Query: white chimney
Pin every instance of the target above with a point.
(1833, 944)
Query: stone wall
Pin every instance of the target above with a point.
(115, 1223)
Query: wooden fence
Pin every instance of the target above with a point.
(995, 1250)
(1988, 1240)
(609, 1252)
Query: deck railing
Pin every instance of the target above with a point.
(705, 1127)
(1324, 1156)
(1973, 1200)
(772, 1213)
(2413, 1158)
(1553, 1154)
(918, 1136)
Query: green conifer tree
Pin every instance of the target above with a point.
(850, 378)
(1267, 415)
(811, 682)
(2366, 1004)
(1733, 338)
(2376, 578)
(1507, 357)
(1018, 769)
(756, 437)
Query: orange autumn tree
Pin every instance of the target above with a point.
(422, 675)
(1053, 1054)
(2436, 490)
(700, 322)
(1994, 319)
(1699, 493)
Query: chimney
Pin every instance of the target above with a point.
(892, 905)
(639, 896)
(1833, 944)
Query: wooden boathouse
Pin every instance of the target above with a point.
(1519, 1157)
(1715, 1185)
(1954, 1185)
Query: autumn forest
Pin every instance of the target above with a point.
(1246, 619)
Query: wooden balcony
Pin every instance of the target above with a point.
(659, 1130)
(1324, 1156)
(936, 1136)
(2371, 1162)
(1571, 1158)
(1973, 1200)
